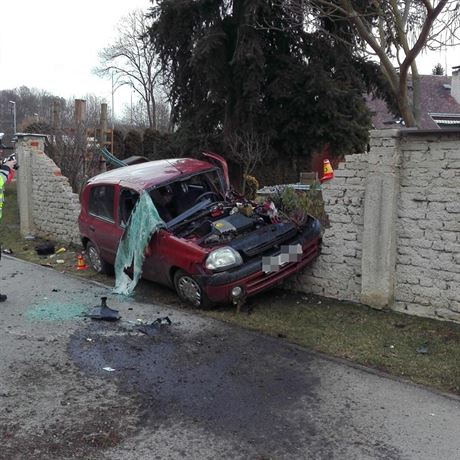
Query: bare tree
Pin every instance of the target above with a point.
(248, 149)
(135, 115)
(163, 117)
(394, 31)
(131, 60)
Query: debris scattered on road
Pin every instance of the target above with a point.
(423, 350)
(103, 312)
(60, 250)
(108, 369)
(163, 321)
(154, 327)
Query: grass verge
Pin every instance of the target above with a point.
(421, 350)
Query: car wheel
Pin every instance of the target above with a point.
(189, 290)
(96, 262)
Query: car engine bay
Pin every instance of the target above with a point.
(247, 227)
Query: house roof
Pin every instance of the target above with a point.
(435, 101)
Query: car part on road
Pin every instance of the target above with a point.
(103, 312)
(154, 327)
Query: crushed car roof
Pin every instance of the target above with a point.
(152, 173)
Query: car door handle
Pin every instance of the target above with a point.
(91, 228)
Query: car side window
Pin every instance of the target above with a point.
(128, 199)
(101, 201)
(164, 200)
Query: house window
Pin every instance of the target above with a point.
(448, 125)
(446, 121)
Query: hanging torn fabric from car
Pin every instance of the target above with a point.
(143, 223)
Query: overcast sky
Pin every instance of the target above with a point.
(53, 45)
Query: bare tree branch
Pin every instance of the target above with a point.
(394, 30)
(132, 60)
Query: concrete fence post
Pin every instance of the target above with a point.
(27, 145)
(380, 213)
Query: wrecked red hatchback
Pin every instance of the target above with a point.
(213, 247)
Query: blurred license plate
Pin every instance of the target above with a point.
(288, 254)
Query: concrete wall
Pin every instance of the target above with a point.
(394, 240)
(47, 205)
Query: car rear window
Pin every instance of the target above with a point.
(101, 201)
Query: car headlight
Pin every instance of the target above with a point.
(223, 258)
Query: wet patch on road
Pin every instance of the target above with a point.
(231, 386)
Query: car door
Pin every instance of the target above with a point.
(102, 229)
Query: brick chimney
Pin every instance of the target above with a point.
(455, 85)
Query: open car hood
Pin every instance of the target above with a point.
(220, 161)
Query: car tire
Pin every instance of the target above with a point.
(190, 291)
(96, 262)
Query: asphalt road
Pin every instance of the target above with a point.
(196, 389)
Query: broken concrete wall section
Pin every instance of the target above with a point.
(394, 240)
(47, 205)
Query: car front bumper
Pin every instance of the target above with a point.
(251, 278)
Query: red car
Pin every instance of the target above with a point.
(216, 247)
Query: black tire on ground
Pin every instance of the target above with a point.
(189, 290)
(96, 262)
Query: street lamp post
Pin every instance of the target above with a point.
(13, 105)
(115, 85)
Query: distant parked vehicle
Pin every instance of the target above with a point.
(216, 246)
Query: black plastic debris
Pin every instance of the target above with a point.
(44, 249)
(154, 327)
(103, 312)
